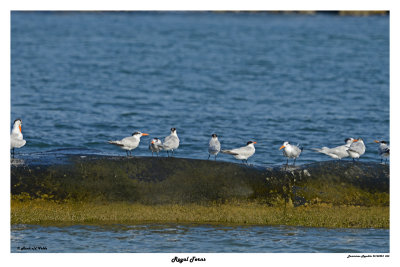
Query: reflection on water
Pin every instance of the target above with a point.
(169, 238)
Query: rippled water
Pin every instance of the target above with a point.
(197, 238)
(80, 79)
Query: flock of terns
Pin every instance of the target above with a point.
(353, 148)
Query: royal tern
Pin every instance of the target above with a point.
(356, 149)
(155, 146)
(291, 151)
(242, 153)
(129, 143)
(338, 152)
(16, 138)
(214, 146)
(171, 142)
(384, 150)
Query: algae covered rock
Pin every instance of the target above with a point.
(175, 180)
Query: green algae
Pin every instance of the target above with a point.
(154, 181)
(48, 212)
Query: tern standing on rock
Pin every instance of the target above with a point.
(338, 152)
(357, 149)
(155, 146)
(171, 142)
(16, 138)
(291, 151)
(129, 143)
(242, 153)
(383, 150)
(214, 146)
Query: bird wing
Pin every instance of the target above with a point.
(356, 147)
(385, 150)
(323, 150)
(170, 141)
(17, 136)
(129, 141)
(214, 146)
(14, 142)
(116, 142)
(297, 149)
(244, 151)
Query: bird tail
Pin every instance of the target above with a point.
(228, 152)
(301, 147)
(320, 150)
(117, 143)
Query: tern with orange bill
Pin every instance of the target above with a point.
(242, 153)
(291, 151)
(356, 149)
(16, 137)
(129, 143)
(155, 146)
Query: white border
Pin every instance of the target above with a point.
(163, 259)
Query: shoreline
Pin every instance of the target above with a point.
(48, 213)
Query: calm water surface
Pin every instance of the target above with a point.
(80, 79)
(197, 238)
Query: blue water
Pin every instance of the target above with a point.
(170, 238)
(80, 79)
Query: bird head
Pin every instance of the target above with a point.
(18, 123)
(139, 134)
(284, 145)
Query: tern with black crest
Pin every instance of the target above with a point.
(338, 152)
(155, 146)
(129, 143)
(242, 153)
(383, 149)
(214, 146)
(171, 142)
(16, 137)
